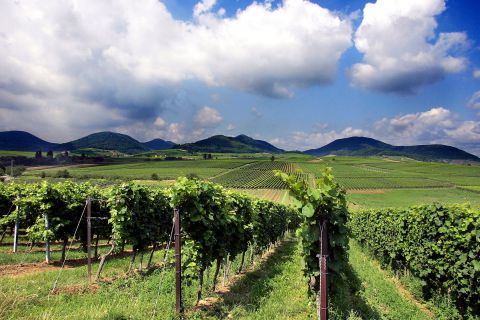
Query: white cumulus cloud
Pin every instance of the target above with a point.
(437, 125)
(208, 117)
(401, 50)
(115, 62)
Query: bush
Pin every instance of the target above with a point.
(438, 244)
(17, 171)
(43, 175)
(155, 176)
(193, 176)
(63, 174)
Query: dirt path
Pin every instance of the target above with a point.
(16, 270)
(209, 303)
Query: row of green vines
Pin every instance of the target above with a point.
(324, 199)
(439, 244)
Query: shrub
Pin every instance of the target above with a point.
(439, 244)
(63, 174)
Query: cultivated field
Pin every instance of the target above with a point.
(369, 181)
(272, 284)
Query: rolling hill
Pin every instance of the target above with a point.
(238, 144)
(24, 141)
(159, 144)
(365, 147)
(107, 141)
(353, 146)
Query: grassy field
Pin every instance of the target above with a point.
(145, 169)
(408, 197)
(371, 182)
(8, 153)
(273, 288)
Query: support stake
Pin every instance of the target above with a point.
(15, 230)
(178, 264)
(323, 286)
(89, 239)
(47, 241)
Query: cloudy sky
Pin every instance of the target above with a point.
(296, 73)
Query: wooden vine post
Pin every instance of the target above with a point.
(323, 285)
(15, 230)
(89, 239)
(47, 241)
(178, 263)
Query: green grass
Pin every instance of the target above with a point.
(409, 197)
(381, 295)
(37, 253)
(144, 170)
(274, 289)
(8, 153)
(278, 195)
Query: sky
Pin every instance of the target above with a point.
(296, 73)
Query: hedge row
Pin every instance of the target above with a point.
(216, 222)
(439, 244)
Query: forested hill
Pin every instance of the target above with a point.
(365, 147)
(238, 144)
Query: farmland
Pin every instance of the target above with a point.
(273, 285)
(366, 179)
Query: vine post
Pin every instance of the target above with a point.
(89, 238)
(47, 241)
(178, 263)
(323, 287)
(15, 231)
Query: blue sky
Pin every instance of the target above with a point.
(296, 73)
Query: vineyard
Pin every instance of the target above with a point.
(438, 244)
(217, 225)
(259, 175)
(240, 231)
(352, 173)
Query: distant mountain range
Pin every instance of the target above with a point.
(367, 147)
(24, 141)
(159, 144)
(353, 146)
(238, 144)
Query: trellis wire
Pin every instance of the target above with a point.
(167, 249)
(68, 250)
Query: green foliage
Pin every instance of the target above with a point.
(217, 222)
(259, 174)
(325, 201)
(206, 217)
(16, 172)
(63, 174)
(439, 244)
(140, 215)
(7, 197)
